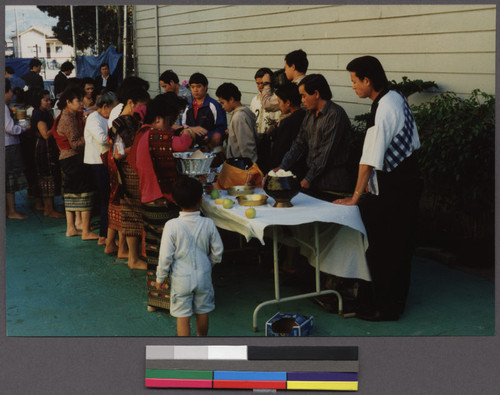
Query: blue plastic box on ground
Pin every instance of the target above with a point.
(287, 324)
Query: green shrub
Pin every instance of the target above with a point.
(457, 150)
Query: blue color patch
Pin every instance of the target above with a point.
(250, 376)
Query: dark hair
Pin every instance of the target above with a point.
(198, 78)
(168, 76)
(88, 80)
(289, 91)
(67, 66)
(103, 65)
(37, 96)
(8, 87)
(74, 82)
(35, 63)
(134, 93)
(70, 94)
(279, 78)
(166, 105)
(262, 71)
(21, 95)
(187, 192)
(128, 83)
(316, 82)
(9, 70)
(371, 68)
(297, 58)
(227, 91)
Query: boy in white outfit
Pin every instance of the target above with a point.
(190, 246)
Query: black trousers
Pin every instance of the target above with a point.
(390, 219)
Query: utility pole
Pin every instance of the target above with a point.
(18, 37)
(97, 29)
(124, 41)
(73, 34)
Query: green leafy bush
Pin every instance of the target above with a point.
(457, 158)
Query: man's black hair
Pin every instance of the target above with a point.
(102, 65)
(316, 82)
(8, 86)
(371, 68)
(187, 192)
(198, 78)
(227, 91)
(289, 91)
(166, 105)
(35, 63)
(262, 71)
(67, 66)
(168, 76)
(9, 70)
(297, 58)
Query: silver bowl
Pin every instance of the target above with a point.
(192, 166)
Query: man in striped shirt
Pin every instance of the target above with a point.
(324, 140)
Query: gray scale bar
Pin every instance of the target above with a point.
(256, 366)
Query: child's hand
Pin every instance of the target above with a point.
(158, 286)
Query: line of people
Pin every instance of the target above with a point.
(127, 140)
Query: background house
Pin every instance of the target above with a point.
(37, 42)
(453, 45)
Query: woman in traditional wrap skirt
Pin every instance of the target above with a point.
(77, 177)
(122, 133)
(46, 153)
(152, 156)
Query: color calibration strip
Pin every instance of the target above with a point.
(253, 367)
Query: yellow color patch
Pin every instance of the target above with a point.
(322, 385)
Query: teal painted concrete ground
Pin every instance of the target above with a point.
(58, 286)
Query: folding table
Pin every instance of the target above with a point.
(331, 236)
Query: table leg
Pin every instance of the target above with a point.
(276, 277)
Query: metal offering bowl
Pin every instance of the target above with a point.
(192, 166)
(240, 190)
(282, 189)
(252, 200)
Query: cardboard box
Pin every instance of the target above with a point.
(288, 324)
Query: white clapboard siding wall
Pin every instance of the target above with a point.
(453, 45)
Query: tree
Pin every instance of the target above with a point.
(110, 25)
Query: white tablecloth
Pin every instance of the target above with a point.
(342, 234)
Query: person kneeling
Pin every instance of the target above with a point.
(190, 246)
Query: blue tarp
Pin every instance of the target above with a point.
(88, 66)
(20, 65)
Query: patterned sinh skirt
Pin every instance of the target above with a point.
(77, 184)
(131, 203)
(155, 214)
(47, 166)
(114, 217)
(15, 180)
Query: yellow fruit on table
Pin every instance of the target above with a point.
(250, 212)
(219, 201)
(227, 203)
(214, 194)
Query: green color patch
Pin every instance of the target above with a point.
(179, 374)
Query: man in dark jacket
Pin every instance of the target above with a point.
(33, 78)
(105, 80)
(61, 79)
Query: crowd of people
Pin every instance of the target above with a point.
(108, 148)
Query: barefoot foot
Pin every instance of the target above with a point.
(101, 241)
(151, 308)
(138, 265)
(54, 214)
(16, 215)
(90, 236)
(111, 249)
(72, 233)
(122, 254)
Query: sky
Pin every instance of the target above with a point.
(27, 16)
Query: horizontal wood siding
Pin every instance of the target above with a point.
(453, 45)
